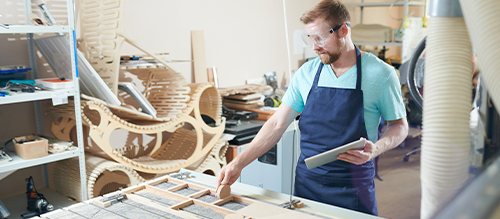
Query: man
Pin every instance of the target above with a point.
(341, 96)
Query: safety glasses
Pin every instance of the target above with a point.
(319, 34)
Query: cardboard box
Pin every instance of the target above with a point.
(30, 147)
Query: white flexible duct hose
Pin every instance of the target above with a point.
(482, 19)
(447, 99)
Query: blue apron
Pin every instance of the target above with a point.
(331, 118)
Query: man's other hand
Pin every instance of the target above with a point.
(359, 157)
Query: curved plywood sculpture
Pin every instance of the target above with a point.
(214, 161)
(191, 138)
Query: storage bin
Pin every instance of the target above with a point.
(29, 147)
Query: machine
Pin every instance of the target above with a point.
(275, 170)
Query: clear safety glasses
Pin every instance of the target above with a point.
(319, 34)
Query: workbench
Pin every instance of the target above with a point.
(151, 200)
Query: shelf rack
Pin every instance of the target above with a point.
(29, 30)
(34, 29)
(19, 163)
(403, 3)
(38, 95)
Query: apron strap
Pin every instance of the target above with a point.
(358, 68)
(316, 78)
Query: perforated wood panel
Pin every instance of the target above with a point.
(164, 88)
(100, 23)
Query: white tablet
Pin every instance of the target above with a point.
(331, 155)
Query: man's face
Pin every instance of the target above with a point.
(331, 52)
(332, 48)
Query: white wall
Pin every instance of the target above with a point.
(243, 39)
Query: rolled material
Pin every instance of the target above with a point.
(103, 176)
(447, 98)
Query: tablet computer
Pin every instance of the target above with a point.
(331, 155)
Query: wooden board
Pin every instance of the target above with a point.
(199, 56)
(245, 89)
(264, 115)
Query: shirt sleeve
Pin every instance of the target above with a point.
(293, 97)
(390, 102)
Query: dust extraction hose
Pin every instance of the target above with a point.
(445, 142)
(483, 19)
(447, 105)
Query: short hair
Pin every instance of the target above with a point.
(333, 11)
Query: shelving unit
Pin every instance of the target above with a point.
(404, 3)
(19, 163)
(36, 97)
(34, 29)
(385, 4)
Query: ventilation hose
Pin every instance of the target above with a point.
(446, 109)
(482, 19)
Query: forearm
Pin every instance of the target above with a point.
(268, 136)
(395, 134)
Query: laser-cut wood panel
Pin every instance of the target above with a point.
(100, 23)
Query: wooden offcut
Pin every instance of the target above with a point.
(223, 191)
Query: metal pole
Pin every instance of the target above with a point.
(78, 112)
(406, 8)
(34, 75)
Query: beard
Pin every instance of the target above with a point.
(331, 57)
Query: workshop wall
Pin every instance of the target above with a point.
(243, 39)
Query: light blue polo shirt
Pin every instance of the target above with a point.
(380, 85)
